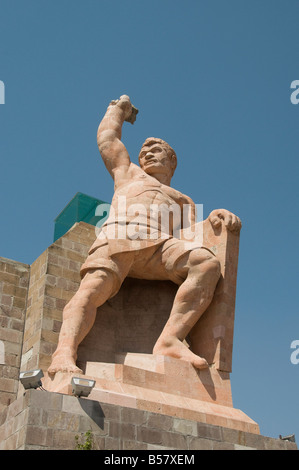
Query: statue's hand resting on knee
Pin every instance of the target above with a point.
(230, 220)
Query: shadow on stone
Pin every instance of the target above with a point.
(94, 410)
(207, 381)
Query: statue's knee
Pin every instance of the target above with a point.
(94, 286)
(204, 261)
(215, 266)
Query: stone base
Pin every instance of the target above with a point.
(51, 421)
(163, 385)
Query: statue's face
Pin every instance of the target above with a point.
(153, 158)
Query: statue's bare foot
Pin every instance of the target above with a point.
(63, 364)
(173, 347)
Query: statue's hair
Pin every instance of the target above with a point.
(170, 152)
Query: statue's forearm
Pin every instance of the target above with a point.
(112, 150)
(110, 127)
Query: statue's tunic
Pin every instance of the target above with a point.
(144, 222)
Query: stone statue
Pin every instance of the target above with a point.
(155, 251)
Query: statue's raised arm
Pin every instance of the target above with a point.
(113, 151)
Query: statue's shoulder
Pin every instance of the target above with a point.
(135, 170)
(123, 176)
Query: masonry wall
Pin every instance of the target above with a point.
(55, 277)
(14, 281)
(32, 299)
(42, 420)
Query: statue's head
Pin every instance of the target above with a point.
(156, 156)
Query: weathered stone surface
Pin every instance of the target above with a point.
(47, 420)
(14, 280)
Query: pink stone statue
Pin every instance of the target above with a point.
(143, 247)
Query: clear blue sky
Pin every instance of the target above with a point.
(213, 79)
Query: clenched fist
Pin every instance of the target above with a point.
(124, 103)
(231, 221)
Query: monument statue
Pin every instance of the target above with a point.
(143, 247)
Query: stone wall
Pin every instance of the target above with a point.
(51, 421)
(32, 299)
(55, 277)
(14, 280)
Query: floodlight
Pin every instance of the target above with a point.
(290, 438)
(82, 387)
(31, 378)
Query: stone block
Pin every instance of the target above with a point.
(207, 431)
(160, 421)
(234, 436)
(217, 445)
(239, 447)
(100, 426)
(36, 435)
(122, 430)
(63, 439)
(61, 420)
(148, 435)
(185, 427)
(133, 445)
(112, 443)
(45, 400)
(131, 415)
(199, 444)
(174, 440)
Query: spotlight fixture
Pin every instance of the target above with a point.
(82, 387)
(31, 378)
(290, 438)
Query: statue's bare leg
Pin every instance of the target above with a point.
(192, 299)
(79, 316)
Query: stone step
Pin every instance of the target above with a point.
(165, 374)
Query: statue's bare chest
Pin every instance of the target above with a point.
(145, 189)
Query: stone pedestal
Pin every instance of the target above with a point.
(162, 385)
(42, 420)
(117, 352)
